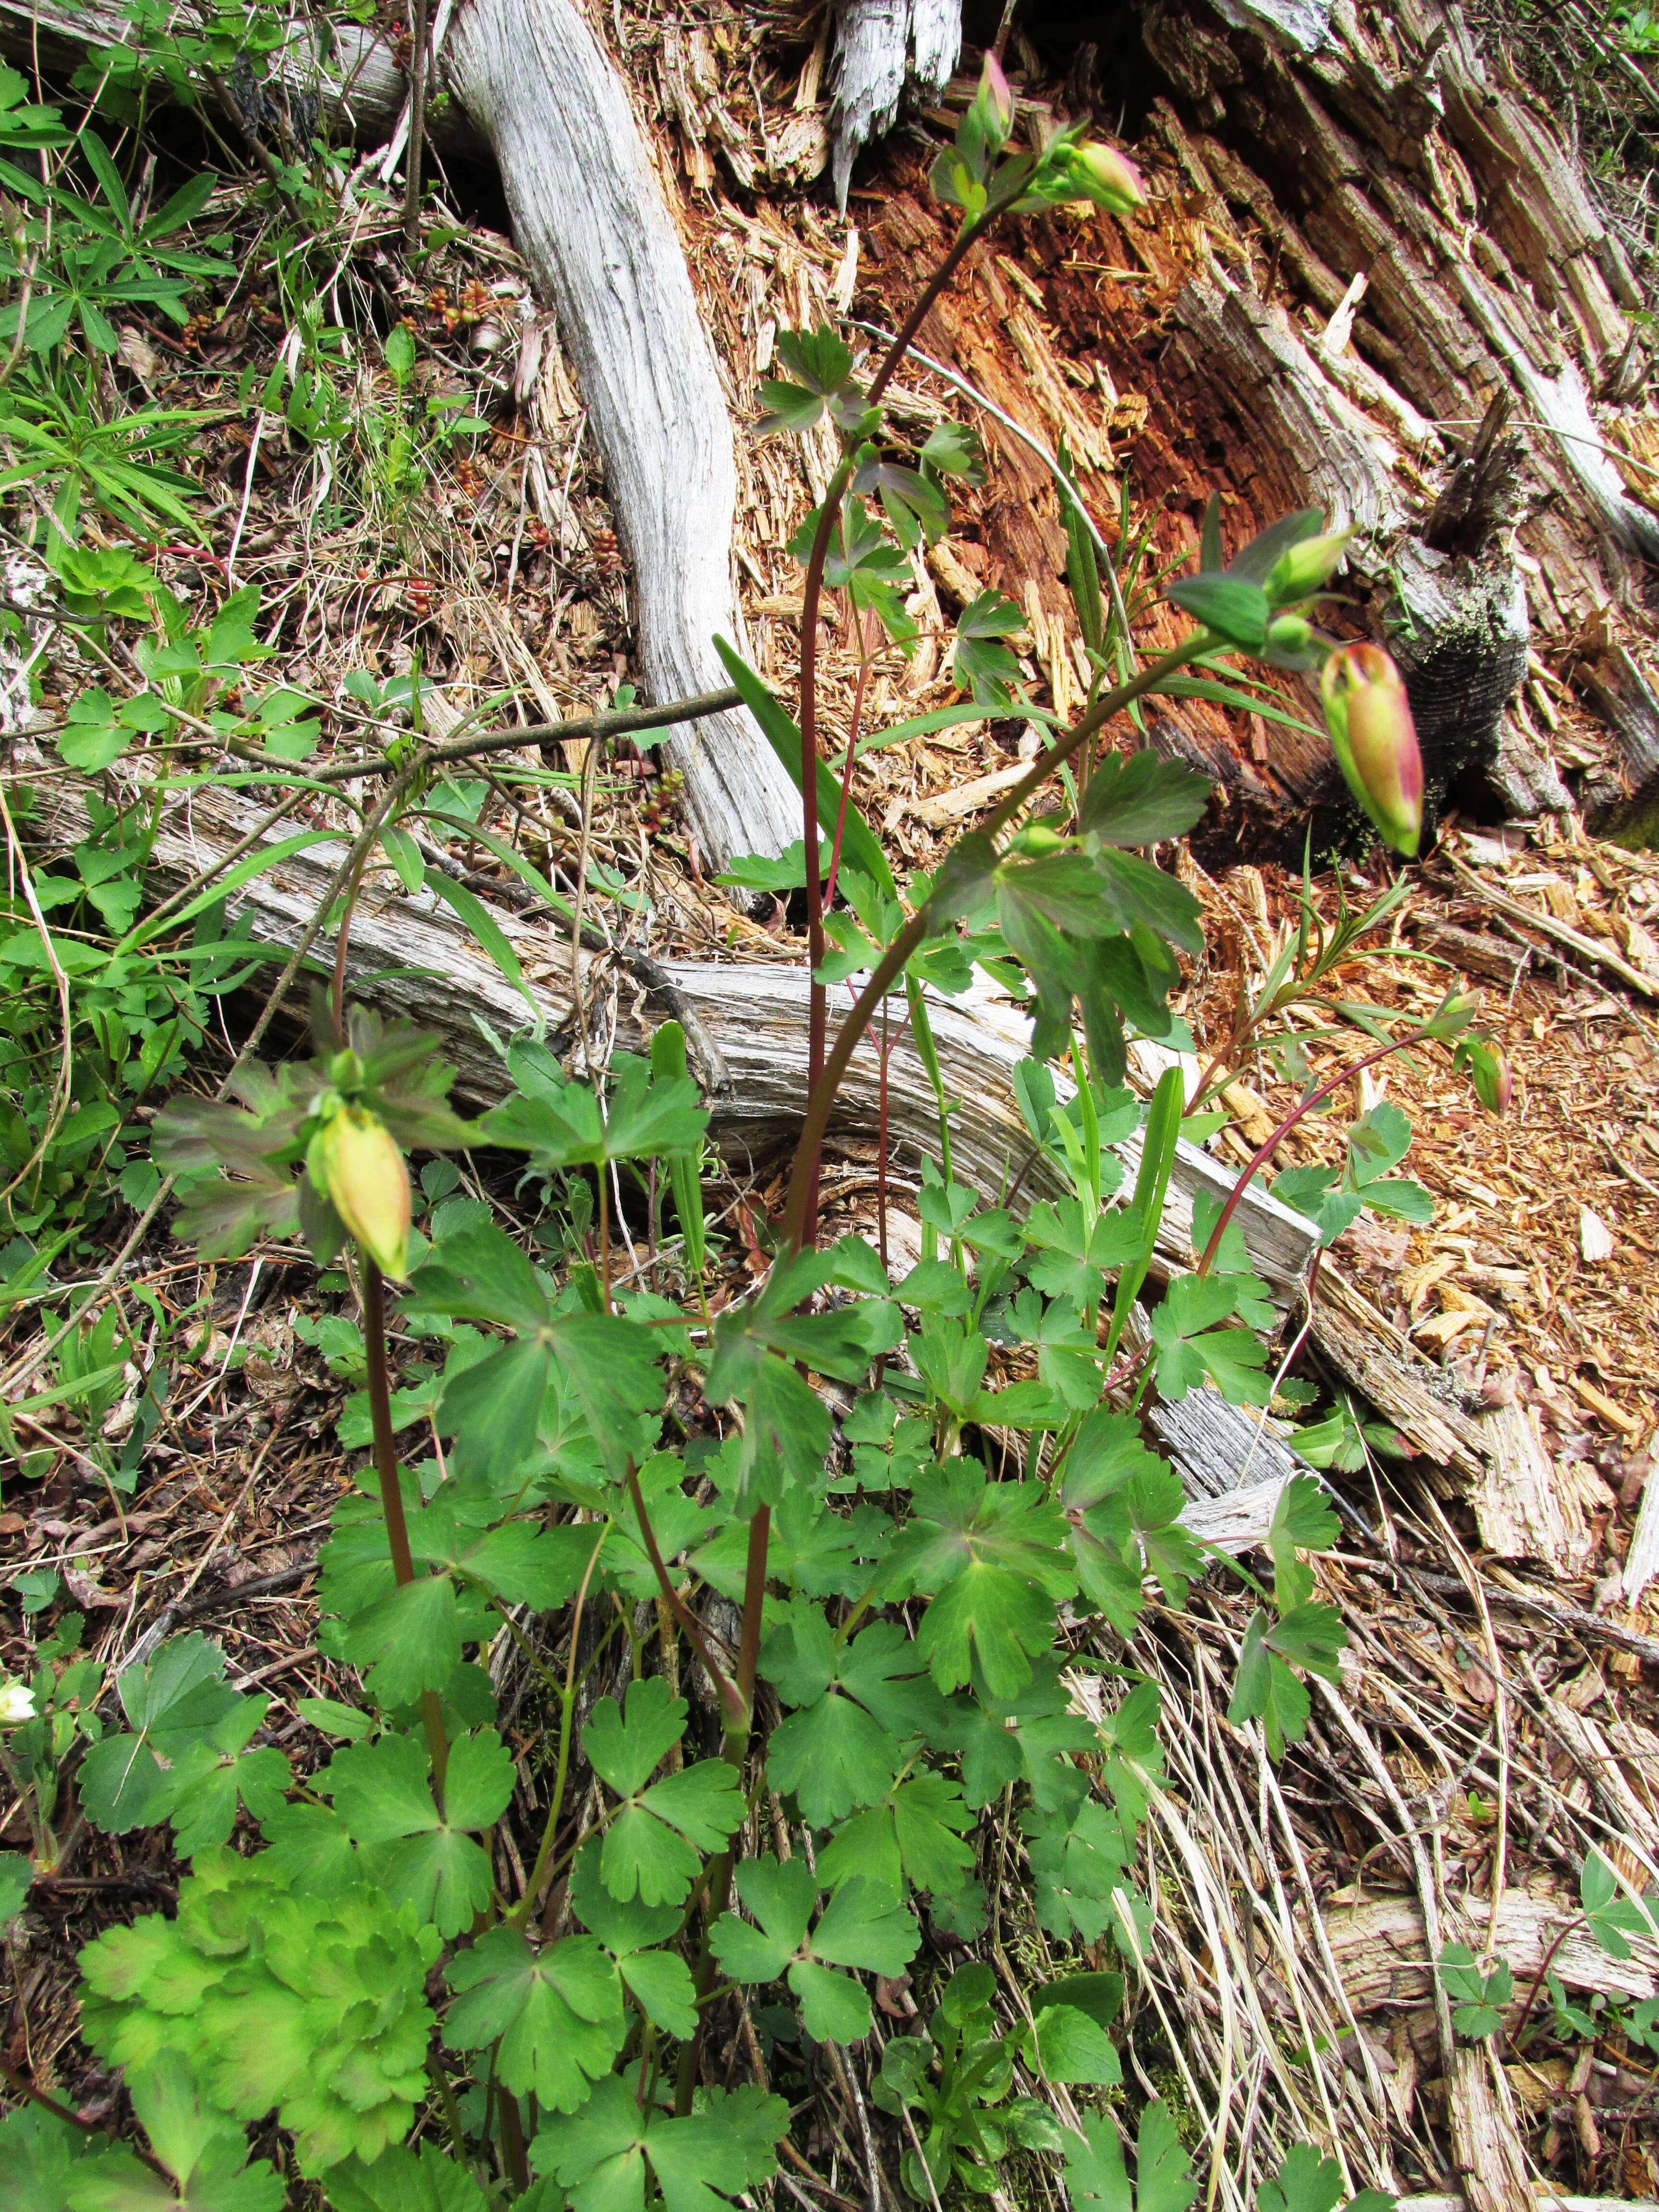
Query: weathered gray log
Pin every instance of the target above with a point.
(589, 217)
(745, 1027)
(592, 225)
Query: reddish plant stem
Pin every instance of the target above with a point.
(865, 646)
(811, 594)
(21, 2085)
(803, 1174)
(735, 1706)
(1543, 1966)
(417, 69)
(734, 1749)
(1272, 1142)
(754, 1601)
(392, 1496)
(513, 2153)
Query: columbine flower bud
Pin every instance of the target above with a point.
(1108, 179)
(996, 103)
(1495, 1088)
(1489, 1072)
(1306, 568)
(1289, 634)
(367, 1186)
(16, 1704)
(1375, 740)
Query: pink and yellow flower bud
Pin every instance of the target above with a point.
(367, 1186)
(1106, 178)
(1489, 1072)
(1369, 718)
(996, 101)
(1495, 1092)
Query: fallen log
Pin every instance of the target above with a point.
(746, 1026)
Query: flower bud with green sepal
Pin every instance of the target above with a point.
(1369, 718)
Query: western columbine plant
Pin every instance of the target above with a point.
(355, 1951)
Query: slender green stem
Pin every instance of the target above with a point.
(391, 1496)
(816, 1002)
(526, 1904)
(830, 510)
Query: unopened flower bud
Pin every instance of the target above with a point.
(1489, 1072)
(996, 101)
(17, 1705)
(1494, 1088)
(1289, 634)
(367, 1186)
(1306, 568)
(1105, 176)
(1375, 740)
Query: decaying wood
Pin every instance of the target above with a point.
(1524, 1507)
(1220, 1450)
(1485, 2142)
(1472, 951)
(1382, 1953)
(1368, 1351)
(1642, 1560)
(745, 1028)
(883, 49)
(1624, 805)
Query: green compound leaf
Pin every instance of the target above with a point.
(1078, 1858)
(915, 1835)
(1611, 1917)
(601, 2155)
(1192, 1349)
(1026, 1738)
(557, 2012)
(863, 1927)
(383, 1795)
(1479, 1997)
(188, 1762)
(860, 1702)
(408, 1641)
(1138, 799)
(1095, 2173)
(1265, 1689)
(1309, 2182)
(994, 1553)
(653, 1844)
(312, 2005)
(405, 2180)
